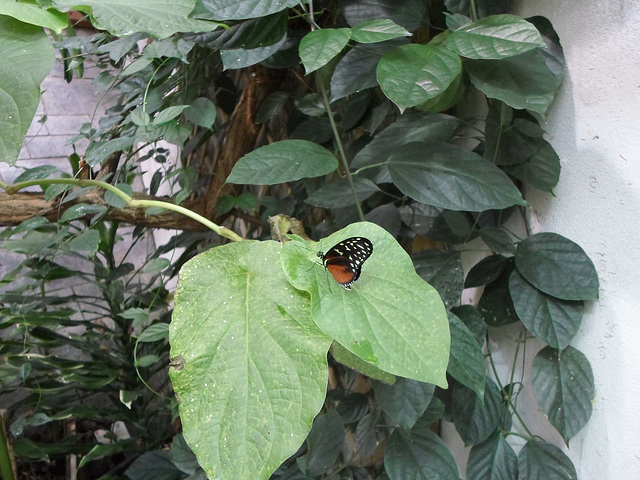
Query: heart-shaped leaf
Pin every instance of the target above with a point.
(493, 459)
(405, 401)
(539, 460)
(319, 47)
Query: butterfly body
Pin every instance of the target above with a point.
(344, 260)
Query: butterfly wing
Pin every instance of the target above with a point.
(344, 260)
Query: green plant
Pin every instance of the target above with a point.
(372, 135)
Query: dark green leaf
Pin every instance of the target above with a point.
(99, 151)
(412, 74)
(87, 241)
(114, 200)
(564, 389)
(248, 34)
(550, 319)
(495, 305)
(386, 216)
(314, 129)
(339, 194)
(522, 82)
(493, 459)
(539, 460)
(454, 93)
(557, 266)
(497, 239)
(405, 401)
(476, 418)
(422, 456)
(408, 13)
(80, 210)
(241, 9)
(324, 444)
(433, 413)
(155, 465)
(36, 173)
(485, 271)
(466, 361)
(495, 37)
(435, 223)
(283, 161)
(241, 58)
(472, 319)
(447, 176)
(443, 271)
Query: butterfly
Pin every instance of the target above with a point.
(344, 260)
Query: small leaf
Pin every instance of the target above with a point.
(485, 271)
(466, 361)
(476, 418)
(156, 265)
(539, 460)
(495, 37)
(319, 47)
(557, 266)
(564, 389)
(412, 74)
(405, 401)
(168, 114)
(377, 30)
(80, 210)
(201, 112)
(86, 241)
(114, 200)
(284, 161)
(99, 151)
(493, 459)
(495, 305)
(155, 332)
(447, 176)
(497, 239)
(472, 319)
(242, 58)
(147, 361)
(552, 320)
(420, 455)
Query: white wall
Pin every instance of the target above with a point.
(594, 125)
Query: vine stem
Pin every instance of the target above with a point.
(222, 231)
(343, 156)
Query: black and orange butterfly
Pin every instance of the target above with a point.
(344, 260)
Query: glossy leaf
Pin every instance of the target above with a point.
(485, 271)
(241, 9)
(523, 82)
(407, 13)
(378, 30)
(339, 193)
(27, 57)
(552, 320)
(391, 317)
(122, 18)
(495, 37)
(539, 460)
(443, 271)
(476, 418)
(412, 74)
(564, 389)
(493, 459)
(283, 161)
(241, 58)
(557, 266)
(319, 47)
(447, 176)
(454, 93)
(245, 351)
(466, 360)
(405, 401)
(420, 455)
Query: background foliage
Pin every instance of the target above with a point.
(423, 118)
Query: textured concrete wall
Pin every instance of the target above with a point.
(594, 125)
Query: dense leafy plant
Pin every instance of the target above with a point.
(374, 138)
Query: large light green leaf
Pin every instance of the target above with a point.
(493, 459)
(250, 365)
(30, 12)
(243, 9)
(447, 176)
(557, 266)
(283, 161)
(422, 455)
(390, 317)
(564, 389)
(160, 18)
(524, 82)
(550, 319)
(412, 74)
(539, 460)
(495, 37)
(26, 59)
(319, 47)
